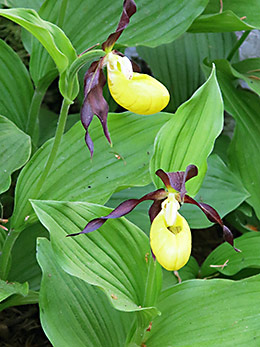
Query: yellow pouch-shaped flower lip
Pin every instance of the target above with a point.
(171, 246)
(136, 92)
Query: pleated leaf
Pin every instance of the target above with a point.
(177, 64)
(107, 258)
(74, 176)
(16, 87)
(249, 71)
(188, 138)
(24, 266)
(87, 23)
(34, 4)
(49, 35)
(208, 313)
(221, 189)
(9, 288)
(15, 150)
(243, 106)
(233, 16)
(249, 256)
(86, 318)
(17, 299)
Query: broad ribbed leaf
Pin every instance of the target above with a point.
(249, 71)
(34, 4)
(189, 271)
(234, 16)
(74, 176)
(16, 87)
(86, 318)
(15, 149)
(107, 258)
(249, 256)
(208, 313)
(188, 138)
(177, 64)
(9, 288)
(50, 36)
(90, 22)
(243, 106)
(17, 300)
(221, 189)
(244, 219)
(24, 267)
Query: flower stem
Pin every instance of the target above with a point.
(237, 45)
(38, 95)
(55, 147)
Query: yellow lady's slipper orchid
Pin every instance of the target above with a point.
(136, 92)
(171, 244)
(170, 235)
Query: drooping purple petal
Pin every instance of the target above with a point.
(129, 8)
(177, 179)
(155, 209)
(94, 102)
(121, 210)
(213, 217)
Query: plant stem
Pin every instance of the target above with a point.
(55, 147)
(237, 45)
(38, 95)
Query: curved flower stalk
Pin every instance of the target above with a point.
(136, 92)
(170, 235)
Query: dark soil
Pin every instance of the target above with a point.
(20, 327)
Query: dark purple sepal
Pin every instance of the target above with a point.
(94, 101)
(213, 217)
(177, 179)
(121, 210)
(129, 8)
(155, 209)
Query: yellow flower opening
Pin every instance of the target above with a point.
(170, 243)
(136, 92)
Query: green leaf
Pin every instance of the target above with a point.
(172, 17)
(107, 258)
(34, 4)
(221, 189)
(48, 124)
(189, 271)
(237, 15)
(50, 36)
(249, 71)
(15, 150)
(244, 219)
(86, 318)
(208, 313)
(91, 180)
(17, 300)
(188, 138)
(9, 288)
(243, 106)
(24, 267)
(16, 87)
(177, 64)
(249, 256)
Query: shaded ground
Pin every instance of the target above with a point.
(20, 327)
